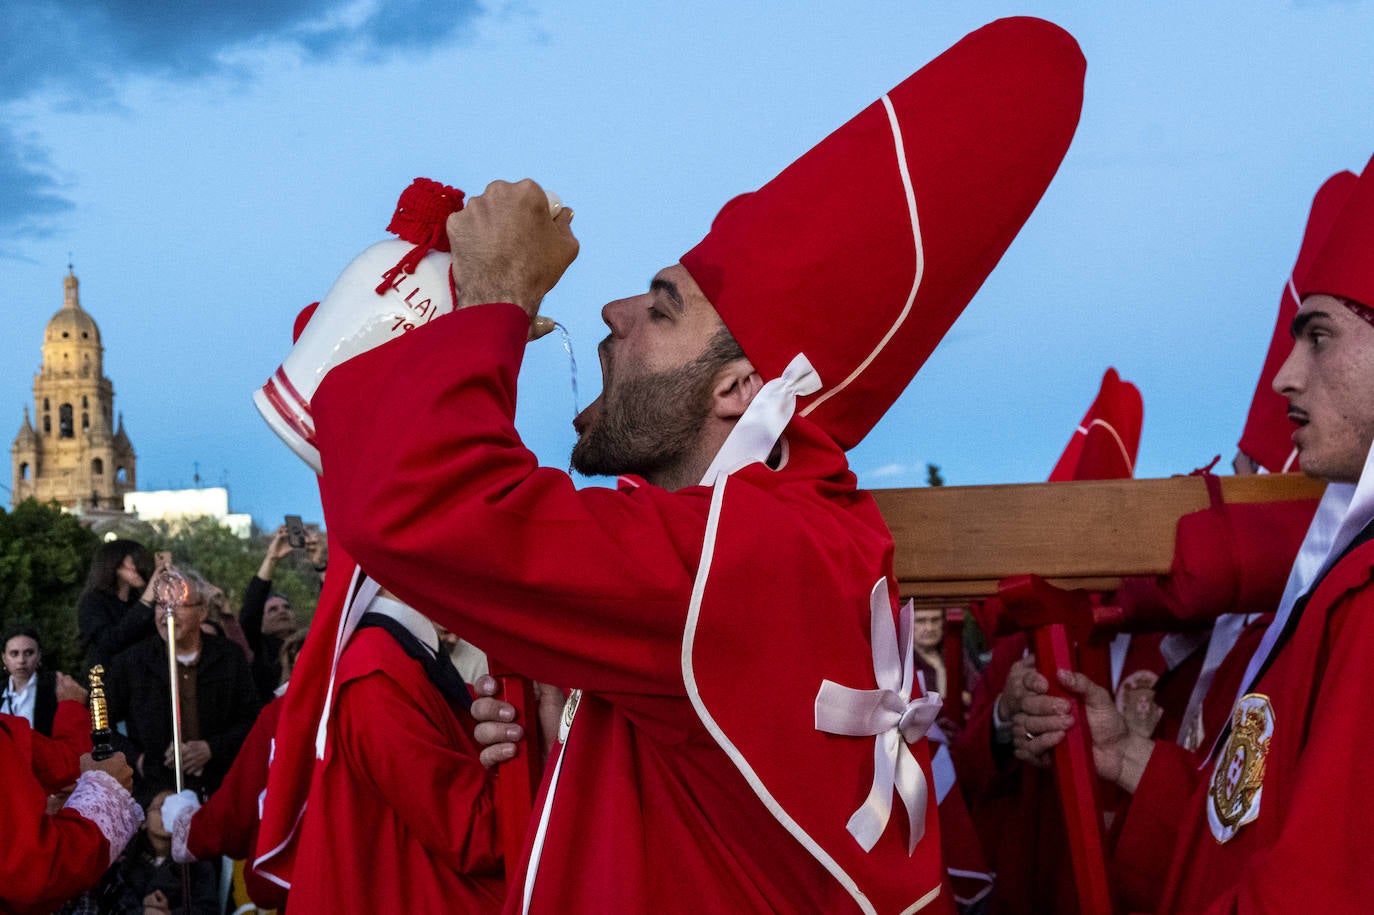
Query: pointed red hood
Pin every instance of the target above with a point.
(863, 252)
(1106, 442)
(1268, 435)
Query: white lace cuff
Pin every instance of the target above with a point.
(177, 812)
(102, 800)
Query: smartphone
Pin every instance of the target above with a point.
(295, 532)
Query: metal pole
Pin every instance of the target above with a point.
(171, 592)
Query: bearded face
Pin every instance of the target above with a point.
(647, 422)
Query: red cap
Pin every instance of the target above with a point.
(861, 254)
(1343, 266)
(1267, 437)
(1105, 444)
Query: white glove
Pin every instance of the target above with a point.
(177, 811)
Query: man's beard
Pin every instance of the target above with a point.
(648, 423)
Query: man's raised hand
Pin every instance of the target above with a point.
(508, 248)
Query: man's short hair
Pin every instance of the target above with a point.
(196, 585)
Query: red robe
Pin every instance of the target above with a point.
(227, 824)
(44, 860)
(679, 787)
(401, 816)
(56, 760)
(1015, 808)
(1308, 850)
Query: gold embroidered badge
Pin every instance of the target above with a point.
(1238, 775)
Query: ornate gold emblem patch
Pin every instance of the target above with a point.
(1238, 775)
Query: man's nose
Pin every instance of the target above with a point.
(1287, 379)
(617, 316)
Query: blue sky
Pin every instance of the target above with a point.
(211, 167)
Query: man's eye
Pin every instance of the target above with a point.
(655, 314)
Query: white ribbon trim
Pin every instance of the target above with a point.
(891, 717)
(899, 150)
(768, 414)
(361, 591)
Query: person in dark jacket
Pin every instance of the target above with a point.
(218, 702)
(116, 609)
(267, 617)
(30, 691)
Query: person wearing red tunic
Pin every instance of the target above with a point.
(737, 556)
(1272, 821)
(227, 823)
(48, 859)
(401, 816)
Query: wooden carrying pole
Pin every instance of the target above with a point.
(956, 544)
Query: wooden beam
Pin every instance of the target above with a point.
(959, 541)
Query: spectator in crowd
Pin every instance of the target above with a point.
(116, 609)
(223, 619)
(31, 692)
(928, 633)
(151, 879)
(218, 702)
(268, 618)
(227, 824)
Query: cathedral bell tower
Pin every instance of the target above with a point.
(70, 450)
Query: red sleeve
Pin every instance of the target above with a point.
(432, 492)
(390, 743)
(57, 760)
(1149, 830)
(983, 767)
(1320, 861)
(44, 860)
(227, 823)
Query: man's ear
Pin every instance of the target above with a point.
(734, 390)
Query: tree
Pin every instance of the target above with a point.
(933, 477)
(225, 559)
(44, 556)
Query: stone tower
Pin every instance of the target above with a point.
(70, 450)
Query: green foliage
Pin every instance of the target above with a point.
(933, 477)
(44, 556)
(229, 561)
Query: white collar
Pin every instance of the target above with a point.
(26, 688)
(416, 623)
(1345, 510)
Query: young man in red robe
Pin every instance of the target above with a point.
(737, 555)
(1275, 819)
